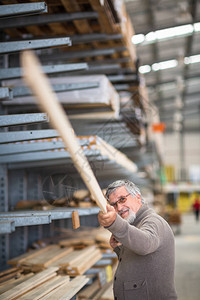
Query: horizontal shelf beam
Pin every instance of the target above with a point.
(17, 136)
(22, 119)
(94, 37)
(116, 78)
(20, 91)
(42, 156)
(10, 73)
(62, 162)
(13, 10)
(46, 19)
(28, 218)
(10, 47)
(81, 53)
(5, 93)
(7, 226)
(101, 69)
(36, 146)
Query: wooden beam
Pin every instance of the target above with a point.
(40, 86)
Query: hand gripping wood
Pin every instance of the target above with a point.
(40, 86)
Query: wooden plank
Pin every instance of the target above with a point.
(8, 271)
(35, 30)
(115, 155)
(49, 102)
(82, 266)
(9, 284)
(29, 284)
(45, 288)
(74, 256)
(104, 21)
(101, 291)
(108, 294)
(82, 26)
(10, 275)
(47, 257)
(19, 259)
(89, 291)
(68, 290)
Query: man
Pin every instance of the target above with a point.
(144, 243)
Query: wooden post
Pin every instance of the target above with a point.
(39, 84)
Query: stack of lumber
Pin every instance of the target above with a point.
(45, 273)
(103, 95)
(44, 285)
(82, 260)
(83, 237)
(37, 260)
(73, 255)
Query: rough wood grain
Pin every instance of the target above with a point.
(68, 290)
(45, 288)
(47, 257)
(29, 284)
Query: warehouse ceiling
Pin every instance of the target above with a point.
(168, 47)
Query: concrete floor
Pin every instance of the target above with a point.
(187, 272)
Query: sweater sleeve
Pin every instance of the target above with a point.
(143, 240)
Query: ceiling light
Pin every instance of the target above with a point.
(151, 36)
(192, 59)
(137, 39)
(197, 26)
(164, 65)
(165, 33)
(144, 69)
(171, 32)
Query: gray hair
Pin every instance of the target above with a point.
(130, 187)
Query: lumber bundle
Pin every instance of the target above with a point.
(29, 284)
(67, 290)
(82, 265)
(83, 237)
(103, 95)
(38, 260)
(50, 268)
(44, 285)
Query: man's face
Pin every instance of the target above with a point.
(126, 205)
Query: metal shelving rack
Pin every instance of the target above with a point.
(27, 169)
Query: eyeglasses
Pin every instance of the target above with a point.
(121, 200)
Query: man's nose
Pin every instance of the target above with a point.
(119, 206)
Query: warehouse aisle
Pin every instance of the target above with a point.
(187, 273)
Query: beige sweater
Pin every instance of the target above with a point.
(146, 258)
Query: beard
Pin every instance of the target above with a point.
(131, 216)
